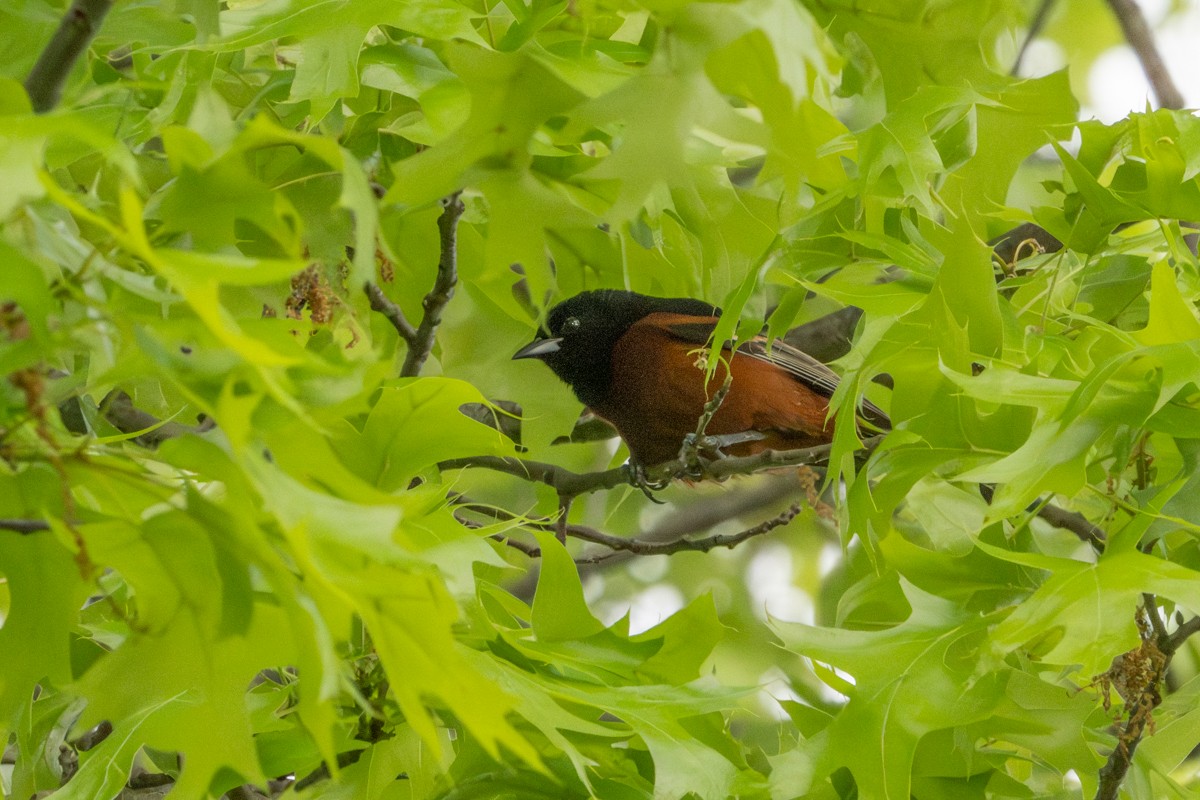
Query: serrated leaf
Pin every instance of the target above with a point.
(1091, 607)
(417, 424)
(893, 672)
(559, 610)
(45, 592)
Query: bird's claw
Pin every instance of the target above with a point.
(696, 448)
(640, 478)
(712, 447)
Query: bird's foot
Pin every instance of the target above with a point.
(711, 447)
(639, 477)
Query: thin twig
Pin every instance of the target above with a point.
(77, 29)
(1150, 603)
(1035, 27)
(618, 544)
(392, 312)
(1182, 633)
(443, 288)
(1137, 33)
(1074, 522)
(644, 548)
(531, 550)
(713, 405)
(564, 510)
(774, 459)
(1071, 521)
(1112, 774)
(24, 525)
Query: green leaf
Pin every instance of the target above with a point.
(44, 593)
(687, 640)
(559, 610)
(1012, 123)
(1085, 612)
(416, 424)
(1172, 319)
(188, 695)
(328, 58)
(894, 673)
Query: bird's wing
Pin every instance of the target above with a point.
(797, 363)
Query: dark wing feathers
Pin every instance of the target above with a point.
(693, 332)
(808, 370)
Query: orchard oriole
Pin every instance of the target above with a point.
(638, 362)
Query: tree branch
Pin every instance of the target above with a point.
(1139, 715)
(1071, 521)
(696, 516)
(1138, 677)
(118, 408)
(1074, 522)
(641, 547)
(392, 312)
(443, 288)
(78, 27)
(1137, 33)
(1147, 667)
(564, 481)
(531, 550)
(1182, 634)
(1150, 604)
(1035, 27)
(768, 459)
(568, 483)
(24, 526)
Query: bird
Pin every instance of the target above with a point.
(639, 363)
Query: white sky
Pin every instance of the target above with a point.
(1117, 84)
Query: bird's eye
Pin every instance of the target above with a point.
(571, 324)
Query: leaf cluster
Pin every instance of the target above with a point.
(255, 534)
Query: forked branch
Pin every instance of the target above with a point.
(443, 288)
(420, 337)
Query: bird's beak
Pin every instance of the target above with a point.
(539, 348)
